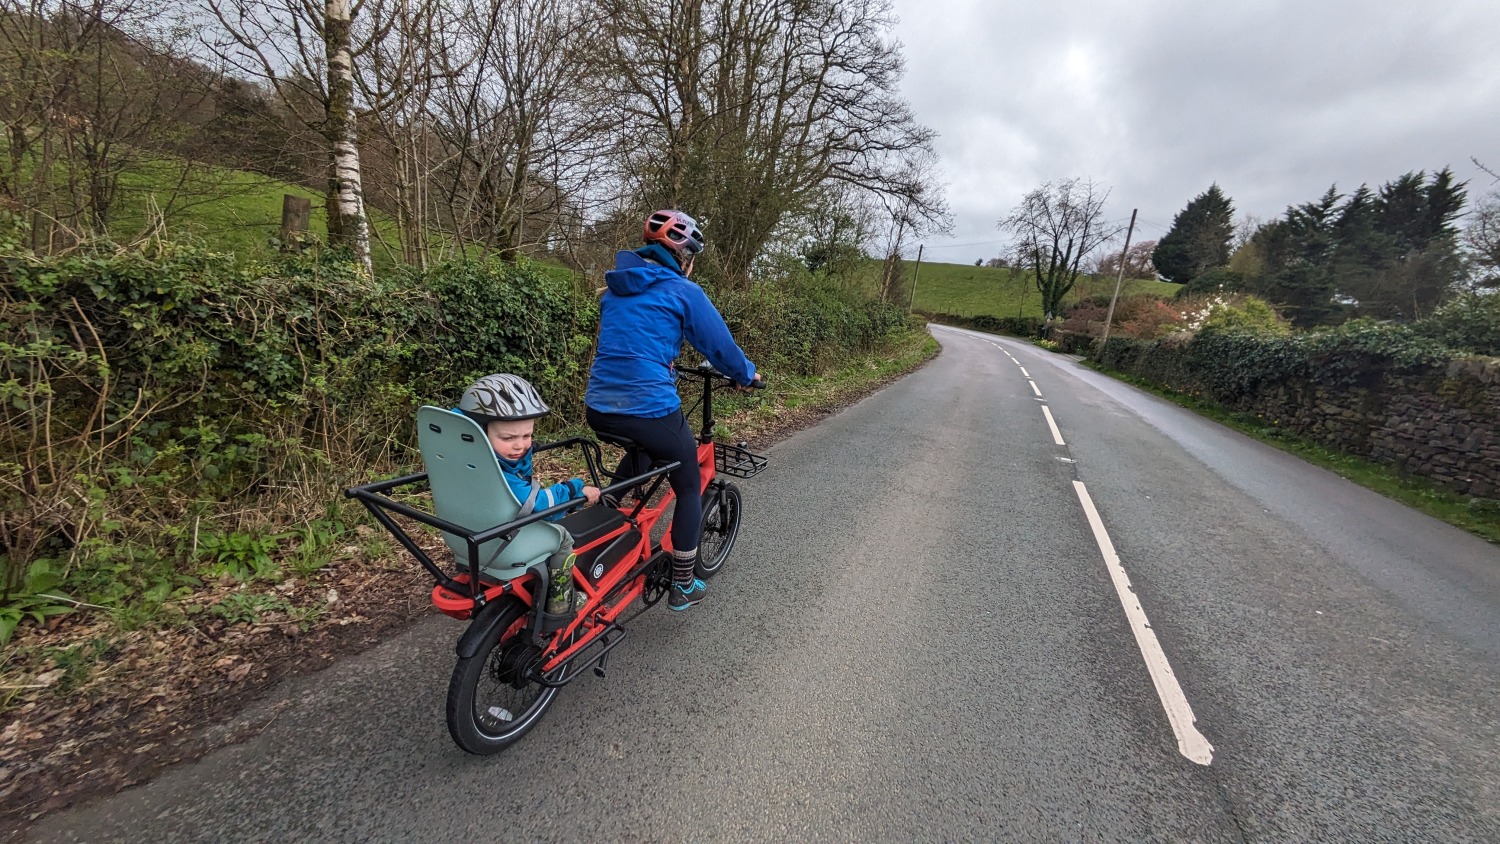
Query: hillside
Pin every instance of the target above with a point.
(227, 210)
(967, 290)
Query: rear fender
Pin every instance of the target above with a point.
(488, 618)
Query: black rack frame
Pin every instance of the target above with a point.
(375, 499)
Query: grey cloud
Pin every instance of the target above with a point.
(1160, 98)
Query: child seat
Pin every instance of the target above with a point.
(469, 490)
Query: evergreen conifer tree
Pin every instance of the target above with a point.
(1199, 238)
(1401, 259)
(1297, 261)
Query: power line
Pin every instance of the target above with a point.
(964, 245)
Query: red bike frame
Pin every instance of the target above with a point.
(642, 573)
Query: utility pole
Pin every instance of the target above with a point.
(914, 274)
(1119, 277)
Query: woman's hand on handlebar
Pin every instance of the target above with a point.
(706, 370)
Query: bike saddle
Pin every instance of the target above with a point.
(615, 439)
(629, 445)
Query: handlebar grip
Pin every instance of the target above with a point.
(706, 369)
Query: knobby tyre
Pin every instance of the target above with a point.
(721, 527)
(491, 703)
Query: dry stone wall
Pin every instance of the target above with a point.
(1450, 433)
(1439, 421)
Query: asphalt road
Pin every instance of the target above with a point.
(919, 638)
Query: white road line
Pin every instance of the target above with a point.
(1023, 371)
(1056, 434)
(1034, 389)
(1190, 742)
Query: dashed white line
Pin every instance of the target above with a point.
(1190, 742)
(1056, 434)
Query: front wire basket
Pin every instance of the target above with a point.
(737, 460)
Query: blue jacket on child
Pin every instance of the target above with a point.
(647, 311)
(518, 477)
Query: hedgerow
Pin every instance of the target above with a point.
(1231, 364)
(1470, 323)
(1014, 326)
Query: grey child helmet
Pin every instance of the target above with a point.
(502, 397)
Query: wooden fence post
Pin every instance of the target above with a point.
(295, 212)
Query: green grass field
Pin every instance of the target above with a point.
(228, 210)
(967, 290)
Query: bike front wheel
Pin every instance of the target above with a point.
(721, 527)
(492, 702)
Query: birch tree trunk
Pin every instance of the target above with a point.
(347, 224)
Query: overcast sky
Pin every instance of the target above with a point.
(1158, 99)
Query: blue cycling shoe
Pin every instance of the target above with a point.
(685, 597)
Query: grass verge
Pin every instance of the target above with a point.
(1479, 516)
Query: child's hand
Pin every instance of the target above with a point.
(591, 494)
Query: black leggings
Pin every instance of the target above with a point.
(664, 439)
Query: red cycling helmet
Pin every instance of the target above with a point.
(676, 231)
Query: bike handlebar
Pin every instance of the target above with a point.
(705, 370)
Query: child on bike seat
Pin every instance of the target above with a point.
(507, 407)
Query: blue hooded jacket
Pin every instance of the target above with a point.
(647, 311)
(519, 478)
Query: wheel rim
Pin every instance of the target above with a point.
(505, 700)
(721, 526)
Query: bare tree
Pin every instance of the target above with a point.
(745, 111)
(1481, 237)
(509, 134)
(913, 211)
(307, 52)
(1244, 229)
(1137, 262)
(1056, 227)
(1481, 242)
(398, 80)
(81, 101)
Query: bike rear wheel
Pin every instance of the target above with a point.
(491, 701)
(721, 527)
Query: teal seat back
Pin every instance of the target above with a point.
(469, 490)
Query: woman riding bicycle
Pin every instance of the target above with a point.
(649, 308)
